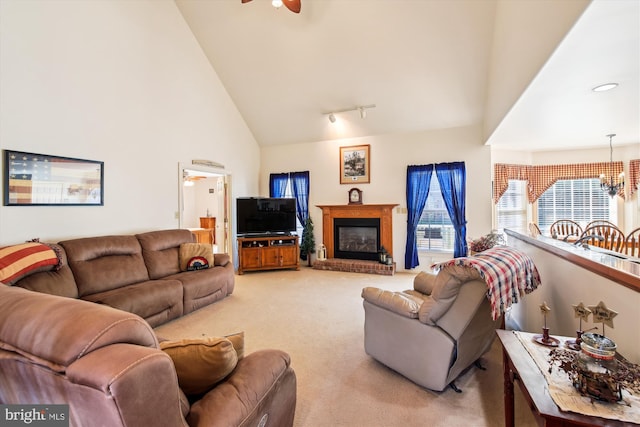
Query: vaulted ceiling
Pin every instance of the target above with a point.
(426, 65)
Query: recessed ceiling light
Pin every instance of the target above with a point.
(605, 87)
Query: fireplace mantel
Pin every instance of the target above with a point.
(384, 212)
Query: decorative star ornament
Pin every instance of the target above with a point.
(580, 311)
(544, 308)
(603, 314)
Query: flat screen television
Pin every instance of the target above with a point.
(265, 215)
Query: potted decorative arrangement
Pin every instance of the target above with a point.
(308, 244)
(486, 242)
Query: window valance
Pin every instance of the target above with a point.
(502, 173)
(540, 177)
(634, 176)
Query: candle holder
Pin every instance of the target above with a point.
(545, 338)
(582, 313)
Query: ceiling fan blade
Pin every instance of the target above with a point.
(292, 5)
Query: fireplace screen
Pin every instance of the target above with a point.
(357, 238)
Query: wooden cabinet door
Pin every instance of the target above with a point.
(251, 258)
(289, 255)
(271, 257)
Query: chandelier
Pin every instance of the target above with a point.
(611, 186)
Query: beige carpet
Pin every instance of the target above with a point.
(317, 317)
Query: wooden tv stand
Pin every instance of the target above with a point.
(268, 253)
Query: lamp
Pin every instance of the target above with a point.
(276, 3)
(611, 187)
(362, 109)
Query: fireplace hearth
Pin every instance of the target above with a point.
(358, 233)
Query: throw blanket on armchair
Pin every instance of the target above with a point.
(509, 275)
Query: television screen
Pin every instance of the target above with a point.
(265, 215)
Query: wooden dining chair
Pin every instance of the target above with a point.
(600, 222)
(632, 243)
(613, 238)
(534, 230)
(563, 228)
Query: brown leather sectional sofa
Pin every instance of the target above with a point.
(135, 273)
(82, 340)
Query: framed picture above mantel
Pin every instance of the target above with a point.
(32, 179)
(355, 164)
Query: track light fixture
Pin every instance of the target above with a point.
(362, 109)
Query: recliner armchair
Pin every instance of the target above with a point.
(106, 365)
(434, 332)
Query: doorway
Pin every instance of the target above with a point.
(204, 203)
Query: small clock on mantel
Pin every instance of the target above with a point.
(355, 196)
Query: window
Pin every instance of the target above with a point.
(296, 185)
(435, 231)
(511, 210)
(581, 200)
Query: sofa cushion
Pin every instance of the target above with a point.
(237, 340)
(54, 282)
(161, 250)
(104, 263)
(201, 363)
(204, 287)
(57, 281)
(261, 391)
(18, 261)
(220, 260)
(61, 336)
(156, 301)
(424, 282)
(445, 290)
(401, 303)
(195, 256)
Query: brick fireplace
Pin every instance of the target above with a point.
(381, 215)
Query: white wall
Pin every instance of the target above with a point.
(390, 156)
(565, 284)
(517, 56)
(123, 82)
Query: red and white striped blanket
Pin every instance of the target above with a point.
(509, 274)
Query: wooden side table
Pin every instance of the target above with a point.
(518, 365)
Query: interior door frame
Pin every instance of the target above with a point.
(225, 247)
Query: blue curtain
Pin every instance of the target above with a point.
(418, 181)
(300, 185)
(452, 180)
(278, 184)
